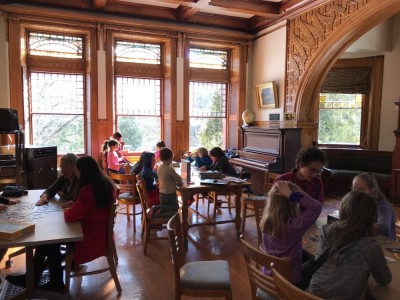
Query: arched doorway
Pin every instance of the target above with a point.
(320, 62)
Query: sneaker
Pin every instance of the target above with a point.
(18, 280)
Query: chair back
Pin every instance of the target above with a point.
(239, 170)
(287, 291)
(127, 183)
(176, 244)
(143, 195)
(111, 223)
(256, 261)
(258, 212)
(138, 177)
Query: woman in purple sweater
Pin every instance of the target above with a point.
(287, 216)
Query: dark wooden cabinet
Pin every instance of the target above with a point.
(41, 166)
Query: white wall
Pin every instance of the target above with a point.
(268, 63)
(391, 91)
(4, 75)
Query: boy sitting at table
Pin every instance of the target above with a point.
(168, 181)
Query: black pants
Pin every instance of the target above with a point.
(54, 259)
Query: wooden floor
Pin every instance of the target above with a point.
(151, 277)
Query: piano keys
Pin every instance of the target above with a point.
(267, 150)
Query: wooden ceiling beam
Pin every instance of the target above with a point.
(259, 8)
(185, 13)
(99, 3)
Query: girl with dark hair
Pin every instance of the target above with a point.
(386, 223)
(220, 163)
(150, 177)
(115, 164)
(310, 163)
(159, 146)
(96, 194)
(354, 253)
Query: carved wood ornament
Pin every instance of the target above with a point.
(316, 39)
(308, 33)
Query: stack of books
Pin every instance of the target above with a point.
(211, 175)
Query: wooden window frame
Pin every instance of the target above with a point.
(369, 135)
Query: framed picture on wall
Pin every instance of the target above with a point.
(266, 95)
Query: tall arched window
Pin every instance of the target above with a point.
(55, 96)
(138, 93)
(208, 98)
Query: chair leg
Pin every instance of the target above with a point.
(134, 216)
(68, 269)
(146, 237)
(127, 212)
(229, 198)
(229, 296)
(143, 225)
(113, 272)
(208, 205)
(114, 250)
(215, 206)
(178, 294)
(196, 198)
(244, 215)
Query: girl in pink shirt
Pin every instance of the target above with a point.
(114, 163)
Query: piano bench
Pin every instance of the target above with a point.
(256, 204)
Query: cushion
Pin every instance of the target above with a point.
(206, 275)
(257, 198)
(125, 196)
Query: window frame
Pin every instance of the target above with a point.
(209, 75)
(140, 71)
(370, 122)
(55, 65)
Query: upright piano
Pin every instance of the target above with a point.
(267, 151)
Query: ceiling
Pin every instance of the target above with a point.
(248, 16)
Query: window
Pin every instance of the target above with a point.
(350, 92)
(55, 101)
(138, 99)
(208, 99)
(340, 118)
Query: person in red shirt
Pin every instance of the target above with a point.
(96, 194)
(310, 163)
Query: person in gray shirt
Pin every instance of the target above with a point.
(354, 253)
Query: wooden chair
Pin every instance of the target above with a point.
(126, 195)
(287, 291)
(261, 283)
(149, 221)
(110, 255)
(229, 197)
(257, 204)
(248, 203)
(200, 278)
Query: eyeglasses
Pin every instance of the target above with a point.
(316, 171)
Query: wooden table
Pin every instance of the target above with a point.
(389, 292)
(194, 187)
(50, 228)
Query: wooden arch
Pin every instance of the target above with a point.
(313, 51)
